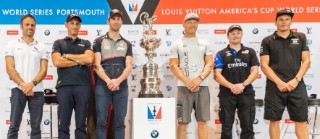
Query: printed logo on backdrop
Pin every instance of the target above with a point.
(28, 121)
(168, 32)
(133, 88)
(256, 121)
(7, 122)
(47, 32)
(134, 8)
(154, 32)
(271, 30)
(12, 32)
(83, 32)
(220, 42)
(217, 121)
(99, 32)
(46, 122)
(165, 55)
(309, 42)
(309, 87)
(154, 133)
(63, 32)
(133, 77)
(220, 31)
(169, 43)
(154, 112)
(255, 31)
(309, 30)
(288, 121)
(169, 88)
(134, 43)
(203, 31)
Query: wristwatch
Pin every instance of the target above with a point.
(298, 79)
(245, 84)
(201, 77)
(34, 82)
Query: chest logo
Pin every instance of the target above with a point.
(295, 41)
(121, 47)
(245, 52)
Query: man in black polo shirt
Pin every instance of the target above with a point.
(285, 59)
(236, 67)
(71, 56)
(113, 61)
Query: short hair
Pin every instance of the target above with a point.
(25, 16)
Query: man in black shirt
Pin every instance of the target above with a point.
(236, 67)
(71, 56)
(113, 61)
(285, 58)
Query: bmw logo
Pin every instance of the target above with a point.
(309, 87)
(154, 133)
(309, 42)
(134, 66)
(168, 43)
(169, 88)
(255, 31)
(256, 121)
(46, 122)
(47, 32)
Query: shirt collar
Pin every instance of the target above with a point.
(291, 35)
(242, 47)
(69, 38)
(35, 42)
(108, 37)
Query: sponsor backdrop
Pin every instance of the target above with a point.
(216, 16)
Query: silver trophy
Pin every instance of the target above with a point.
(150, 82)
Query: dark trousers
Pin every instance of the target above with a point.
(69, 98)
(18, 103)
(245, 105)
(120, 101)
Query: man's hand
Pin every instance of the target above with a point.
(26, 88)
(193, 85)
(236, 88)
(114, 84)
(29, 93)
(283, 87)
(240, 87)
(292, 84)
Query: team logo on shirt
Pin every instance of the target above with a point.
(228, 53)
(35, 49)
(121, 47)
(261, 49)
(237, 63)
(245, 52)
(295, 41)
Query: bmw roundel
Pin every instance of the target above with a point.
(154, 133)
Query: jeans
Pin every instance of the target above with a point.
(119, 100)
(18, 104)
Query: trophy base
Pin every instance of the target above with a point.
(150, 96)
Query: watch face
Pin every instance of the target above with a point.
(202, 77)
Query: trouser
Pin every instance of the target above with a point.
(18, 103)
(245, 105)
(69, 98)
(119, 100)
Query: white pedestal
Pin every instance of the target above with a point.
(154, 118)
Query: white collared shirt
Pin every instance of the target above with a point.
(27, 60)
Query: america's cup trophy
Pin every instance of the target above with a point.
(150, 82)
